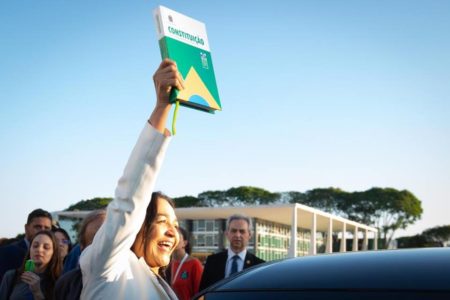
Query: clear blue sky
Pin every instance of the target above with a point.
(348, 94)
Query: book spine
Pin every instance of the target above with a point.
(163, 48)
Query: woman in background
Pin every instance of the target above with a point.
(38, 283)
(64, 242)
(185, 271)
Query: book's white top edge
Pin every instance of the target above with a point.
(180, 27)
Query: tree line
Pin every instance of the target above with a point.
(433, 237)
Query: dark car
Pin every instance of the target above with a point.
(391, 274)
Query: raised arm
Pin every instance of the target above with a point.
(108, 254)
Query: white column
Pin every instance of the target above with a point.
(375, 241)
(313, 241)
(355, 239)
(366, 240)
(343, 242)
(330, 236)
(293, 245)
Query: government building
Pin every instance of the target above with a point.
(274, 227)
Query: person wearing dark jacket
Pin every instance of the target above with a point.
(236, 258)
(12, 255)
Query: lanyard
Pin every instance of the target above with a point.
(174, 278)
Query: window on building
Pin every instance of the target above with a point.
(209, 225)
(201, 225)
(209, 240)
(217, 225)
(201, 240)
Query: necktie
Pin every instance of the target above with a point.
(234, 265)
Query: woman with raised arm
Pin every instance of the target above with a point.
(140, 231)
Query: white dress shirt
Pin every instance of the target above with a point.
(240, 261)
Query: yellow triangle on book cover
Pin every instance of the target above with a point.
(194, 86)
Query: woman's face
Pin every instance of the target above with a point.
(63, 244)
(41, 250)
(163, 237)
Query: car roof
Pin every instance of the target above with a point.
(406, 269)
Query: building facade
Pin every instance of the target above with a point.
(279, 231)
(269, 240)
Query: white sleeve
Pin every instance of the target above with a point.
(108, 254)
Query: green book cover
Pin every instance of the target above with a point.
(184, 40)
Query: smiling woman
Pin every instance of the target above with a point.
(158, 236)
(36, 283)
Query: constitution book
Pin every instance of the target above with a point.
(184, 40)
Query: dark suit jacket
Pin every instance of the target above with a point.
(215, 267)
(12, 256)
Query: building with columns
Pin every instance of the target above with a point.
(274, 227)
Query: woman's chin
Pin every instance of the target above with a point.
(37, 260)
(164, 263)
(38, 264)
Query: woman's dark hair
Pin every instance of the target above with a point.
(186, 237)
(66, 235)
(150, 216)
(53, 269)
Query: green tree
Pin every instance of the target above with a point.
(187, 201)
(90, 204)
(432, 237)
(438, 234)
(212, 198)
(248, 195)
(238, 196)
(415, 241)
(326, 199)
(385, 208)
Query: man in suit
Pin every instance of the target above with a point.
(12, 256)
(236, 257)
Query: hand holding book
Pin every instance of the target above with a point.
(165, 79)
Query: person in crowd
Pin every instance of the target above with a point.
(12, 255)
(70, 284)
(126, 258)
(236, 257)
(64, 242)
(185, 271)
(5, 241)
(87, 230)
(37, 282)
(71, 261)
